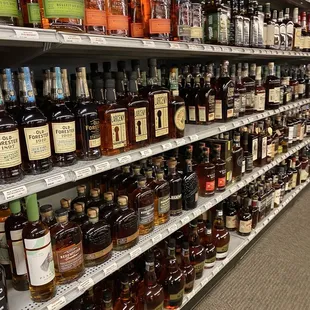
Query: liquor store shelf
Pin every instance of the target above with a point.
(69, 292)
(238, 243)
(62, 42)
(58, 176)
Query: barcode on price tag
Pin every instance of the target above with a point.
(70, 38)
(102, 166)
(85, 285)
(27, 34)
(124, 160)
(83, 173)
(167, 146)
(193, 47)
(146, 153)
(180, 142)
(197, 212)
(97, 40)
(193, 138)
(148, 43)
(15, 193)
(58, 304)
(157, 238)
(55, 180)
(135, 253)
(109, 270)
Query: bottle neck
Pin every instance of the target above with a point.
(8, 87)
(133, 86)
(185, 257)
(26, 89)
(110, 95)
(153, 79)
(65, 83)
(57, 89)
(208, 235)
(82, 93)
(150, 275)
(93, 220)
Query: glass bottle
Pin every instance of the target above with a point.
(31, 13)
(240, 88)
(269, 25)
(38, 252)
(245, 219)
(248, 156)
(80, 217)
(237, 158)
(181, 20)
(260, 93)
(95, 200)
(81, 196)
(117, 18)
(95, 17)
(67, 248)
(14, 225)
(143, 203)
(97, 241)
(197, 21)
(136, 19)
(187, 268)
(88, 138)
(190, 187)
(35, 137)
(273, 88)
(221, 236)
(249, 84)
(220, 169)
(68, 18)
(4, 253)
(209, 246)
(125, 300)
(125, 227)
(161, 190)
(4, 295)
(47, 215)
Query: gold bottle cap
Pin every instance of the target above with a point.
(92, 212)
(108, 196)
(79, 206)
(122, 200)
(172, 163)
(81, 189)
(65, 203)
(95, 192)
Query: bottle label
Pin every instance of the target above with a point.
(4, 253)
(246, 31)
(277, 196)
(211, 114)
(196, 33)
(118, 126)
(163, 204)
(122, 241)
(137, 30)
(249, 163)
(210, 186)
(199, 267)
(18, 252)
(304, 174)
(250, 100)
(38, 142)
(161, 114)
(271, 35)
(140, 115)
(243, 102)
(179, 118)
(297, 37)
(161, 25)
(146, 215)
(223, 27)
(8, 8)
(283, 37)
(289, 35)
(254, 149)
(175, 299)
(290, 134)
(301, 89)
(260, 101)
(221, 182)
(261, 29)
(245, 226)
(218, 109)
(239, 30)
(184, 31)
(243, 166)
(254, 30)
(231, 221)
(95, 17)
(192, 113)
(264, 147)
(57, 9)
(33, 13)
(210, 262)
(64, 137)
(69, 258)
(221, 252)
(294, 180)
(39, 258)
(202, 114)
(10, 155)
(117, 22)
(96, 255)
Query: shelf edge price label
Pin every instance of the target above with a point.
(197, 212)
(166, 146)
(185, 220)
(55, 180)
(208, 206)
(204, 282)
(193, 47)
(58, 304)
(157, 238)
(222, 128)
(26, 34)
(148, 43)
(135, 253)
(219, 198)
(102, 166)
(85, 285)
(236, 124)
(193, 138)
(16, 192)
(83, 173)
(97, 40)
(146, 153)
(175, 45)
(180, 142)
(172, 228)
(124, 160)
(215, 271)
(70, 38)
(109, 270)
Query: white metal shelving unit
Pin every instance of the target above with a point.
(67, 293)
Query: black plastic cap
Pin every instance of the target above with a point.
(46, 208)
(61, 212)
(110, 83)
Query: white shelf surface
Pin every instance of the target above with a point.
(238, 243)
(67, 293)
(83, 169)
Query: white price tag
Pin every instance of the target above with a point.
(146, 153)
(27, 34)
(185, 220)
(193, 47)
(250, 119)
(97, 40)
(233, 189)
(208, 206)
(15, 193)
(157, 238)
(148, 43)
(55, 180)
(124, 160)
(204, 282)
(222, 128)
(236, 124)
(109, 270)
(102, 166)
(135, 253)
(175, 45)
(71, 38)
(180, 142)
(58, 304)
(193, 138)
(167, 146)
(197, 212)
(85, 285)
(172, 228)
(83, 173)
(215, 271)
(219, 199)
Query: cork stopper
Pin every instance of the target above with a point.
(79, 207)
(92, 213)
(122, 200)
(136, 169)
(157, 160)
(126, 169)
(159, 174)
(172, 163)
(149, 172)
(81, 189)
(108, 196)
(65, 203)
(95, 192)
(141, 181)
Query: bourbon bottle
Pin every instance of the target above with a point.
(95, 17)
(210, 248)
(31, 13)
(187, 268)
(117, 18)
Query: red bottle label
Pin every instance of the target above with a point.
(210, 186)
(221, 182)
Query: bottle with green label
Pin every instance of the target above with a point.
(31, 13)
(68, 17)
(9, 12)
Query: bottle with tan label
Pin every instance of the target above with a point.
(62, 124)
(35, 135)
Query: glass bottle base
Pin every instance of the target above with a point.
(44, 292)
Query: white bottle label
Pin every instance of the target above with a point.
(192, 113)
(260, 101)
(218, 109)
(4, 253)
(202, 114)
(254, 149)
(264, 147)
(161, 115)
(140, 116)
(10, 155)
(64, 137)
(270, 35)
(245, 226)
(119, 135)
(18, 251)
(277, 196)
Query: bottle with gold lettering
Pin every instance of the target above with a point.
(35, 136)
(62, 124)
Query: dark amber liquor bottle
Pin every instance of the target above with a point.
(95, 17)
(220, 169)
(208, 243)
(187, 268)
(190, 187)
(31, 13)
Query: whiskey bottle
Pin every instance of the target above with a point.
(125, 228)
(209, 246)
(262, 145)
(175, 182)
(159, 102)
(31, 13)
(80, 217)
(14, 225)
(62, 125)
(296, 44)
(187, 268)
(69, 18)
(177, 112)
(4, 253)
(88, 138)
(181, 20)
(260, 93)
(38, 252)
(95, 201)
(65, 203)
(190, 187)
(138, 114)
(254, 24)
(197, 21)
(220, 169)
(95, 17)
(161, 190)
(237, 158)
(236, 25)
(273, 90)
(81, 196)
(241, 90)
(35, 137)
(282, 29)
(270, 25)
(247, 155)
(67, 248)
(221, 236)
(261, 28)
(276, 26)
(249, 85)
(47, 215)
(245, 219)
(237, 103)
(124, 301)
(136, 19)
(9, 13)
(97, 241)
(207, 94)
(143, 203)
(289, 29)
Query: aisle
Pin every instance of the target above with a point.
(275, 273)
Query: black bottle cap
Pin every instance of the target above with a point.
(110, 83)
(135, 62)
(119, 75)
(93, 67)
(106, 66)
(141, 178)
(194, 222)
(46, 208)
(153, 62)
(150, 256)
(107, 295)
(185, 245)
(61, 212)
(208, 225)
(97, 82)
(133, 75)
(121, 65)
(171, 243)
